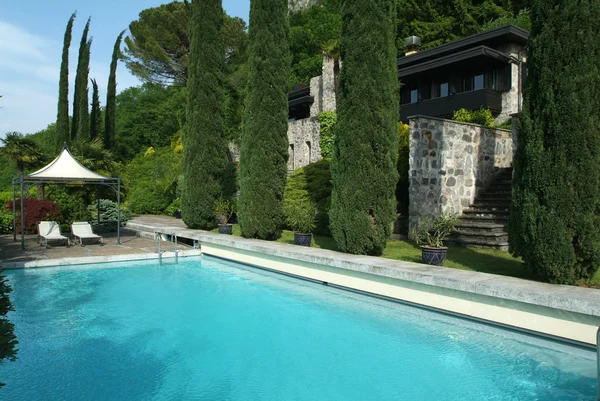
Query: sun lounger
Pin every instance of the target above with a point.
(50, 231)
(83, 231)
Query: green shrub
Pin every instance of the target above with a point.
(70, 202)
(108, 216)
(482, 117)
(327, 120)
(301, 215)
(312, 183)
(173, 207)
(152, 179)
(5, 214)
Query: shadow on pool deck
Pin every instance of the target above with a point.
(11, 251)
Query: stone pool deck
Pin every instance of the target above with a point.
(11, 253)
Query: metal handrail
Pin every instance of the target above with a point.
(157, 247)
(174, 242)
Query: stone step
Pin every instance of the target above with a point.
(485, 219)
(492, 198)
(482, 243)
(473, 234)
(485, 212)
(494, 205)
(498, 193)
(477, 226)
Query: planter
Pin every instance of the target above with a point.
(225, 229)
(302, 239)
(433, 256)
(177, 214)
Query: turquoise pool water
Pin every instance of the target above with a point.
(212, 330)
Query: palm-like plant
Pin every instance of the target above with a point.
(93, 155)
(21, 150)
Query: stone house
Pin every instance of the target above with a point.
(451, 163)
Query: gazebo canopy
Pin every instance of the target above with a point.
(65, 168)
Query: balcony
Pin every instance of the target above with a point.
(445, 107)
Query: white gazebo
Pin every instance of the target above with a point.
(65, 169)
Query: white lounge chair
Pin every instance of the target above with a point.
(50, 231)
(83, 230)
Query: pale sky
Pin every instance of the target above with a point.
(31, 36)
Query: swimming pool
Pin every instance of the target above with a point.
(208, 329)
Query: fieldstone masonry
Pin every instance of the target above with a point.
(450, 162)
(297, 5)
(303, 136)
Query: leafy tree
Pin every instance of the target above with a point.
(62, 119)
(110, 123)
(364, 172)
(521, 19)
(555, 210)
(204, 143)
(92, 155)
(264, 149)
(8, 339)
(96, 114)
(22, 150)
(148, 116)
(151, 178)
(80, 120)
(158, 45)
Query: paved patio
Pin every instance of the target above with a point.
(130, 244)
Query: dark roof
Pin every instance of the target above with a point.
(471, 53)
(492, 38)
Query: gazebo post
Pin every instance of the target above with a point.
(14, 211)
(98, 192)
(119, 211)
(22, 214)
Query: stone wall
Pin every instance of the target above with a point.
(512, 99)
(303, 136)
(295, 5)
(322, 88)
(450, 162)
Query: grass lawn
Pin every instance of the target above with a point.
(479, 260)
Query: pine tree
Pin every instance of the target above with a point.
(264, 149)
(364, 173)
(204, 143)
(96, 114)
(62, 118)
(111, 96)
(555, 210)
(81, 80)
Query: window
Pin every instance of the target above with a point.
(444, 89)
(478, 82)
(414, 96)
(467, 84)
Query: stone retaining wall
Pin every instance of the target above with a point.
(304, 137)
(450, 162)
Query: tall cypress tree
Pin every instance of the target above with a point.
(111, 96)
(62, 118)
(364, 173)
(96, 114)
(81, 80)
(555, 210)
(83, 122)
(204, 143)
(264, 148)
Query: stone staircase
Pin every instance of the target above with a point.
(485, 223)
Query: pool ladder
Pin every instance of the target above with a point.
(172, 247)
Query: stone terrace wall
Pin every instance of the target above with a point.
(450, 162)
(304, 137)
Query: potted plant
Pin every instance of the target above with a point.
(301, 216)
(430, 234)
(223, 209)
